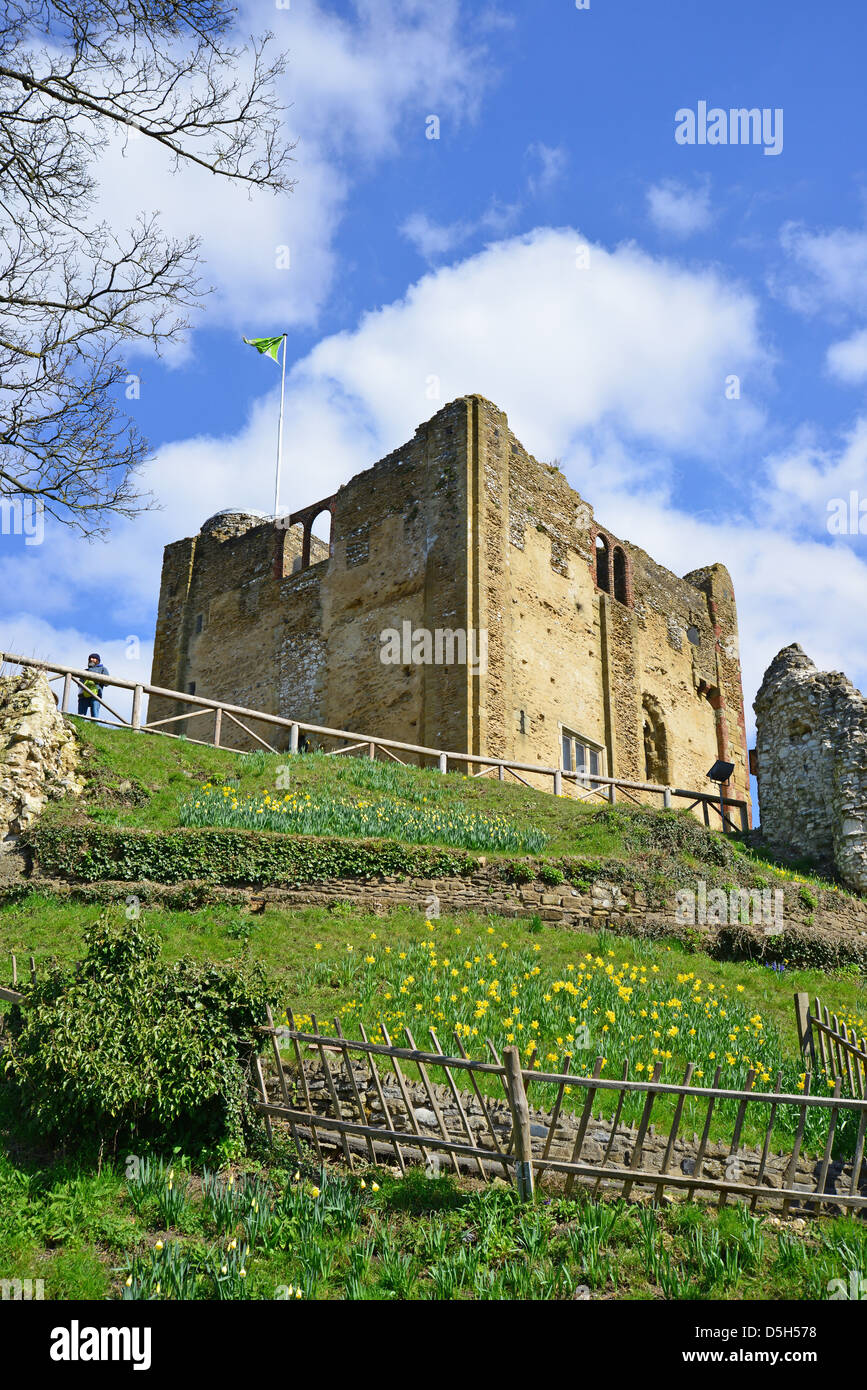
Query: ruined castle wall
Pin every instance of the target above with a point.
(239, 621)
(811, 754)
(400, 552)
(226, 616)
(460, 529)
(568, 654)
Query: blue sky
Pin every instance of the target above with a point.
(423, 269)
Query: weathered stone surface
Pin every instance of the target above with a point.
(38, 753)
(811, 754)
(461, 529)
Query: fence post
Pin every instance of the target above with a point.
(136, 708)
(501, 772)
(371, 751)
(293, 739)
(218, 726)
(444, 762)
(666, 799)
(67, 689)
(612, 793)
(521, 1119)
(558, 783)
(805, 1031)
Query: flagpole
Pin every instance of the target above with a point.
(280, 434)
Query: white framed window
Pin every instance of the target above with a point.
(581, 755)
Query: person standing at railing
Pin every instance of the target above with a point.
(90, 693)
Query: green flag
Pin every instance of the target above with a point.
(269, 346)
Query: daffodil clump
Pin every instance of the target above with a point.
(299, 813)
(601, 1005)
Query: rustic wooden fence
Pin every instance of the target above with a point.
(826, 1041)
(358, 1097)
(584, 785)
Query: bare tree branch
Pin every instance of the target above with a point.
(73, 291)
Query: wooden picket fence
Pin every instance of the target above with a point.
(370, 1110)
(830, 1045)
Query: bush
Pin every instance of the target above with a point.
(673, 833)
(550, 874)
(519, 873)
(94, 853)
(127, 1049)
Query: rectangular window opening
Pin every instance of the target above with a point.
(582, 756)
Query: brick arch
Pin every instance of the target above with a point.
(304, 518)
(611, 566)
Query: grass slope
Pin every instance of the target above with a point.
(140, 782)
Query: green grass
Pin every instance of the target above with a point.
(86, 1233)
(290, 1230)
(140, 781)
(346, 962)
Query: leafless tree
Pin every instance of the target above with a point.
(75, 75)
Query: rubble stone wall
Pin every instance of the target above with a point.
(38, 753)
(811, 755)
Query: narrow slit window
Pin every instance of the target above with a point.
(603, 577)
(621, 589)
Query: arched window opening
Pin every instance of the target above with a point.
(320, 542)
(603, 575)
(621, 591)
(656, 761)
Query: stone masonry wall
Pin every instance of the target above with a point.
(811, 754)
(38, 753)
(461, 529)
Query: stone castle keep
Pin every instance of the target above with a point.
(597, 657)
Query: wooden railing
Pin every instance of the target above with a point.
(830, 1045)
(358, 1097)
(583, 785)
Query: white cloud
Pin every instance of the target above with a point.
(678, 210)
(847, 360)
(433, 240)
(826, 270)
(632, 341)
(548, 165)
(802, 481)
(359, 89)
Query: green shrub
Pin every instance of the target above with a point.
(127, 1049)
(676, 833)
(94, 853)
(519, 873)
(549, 873)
